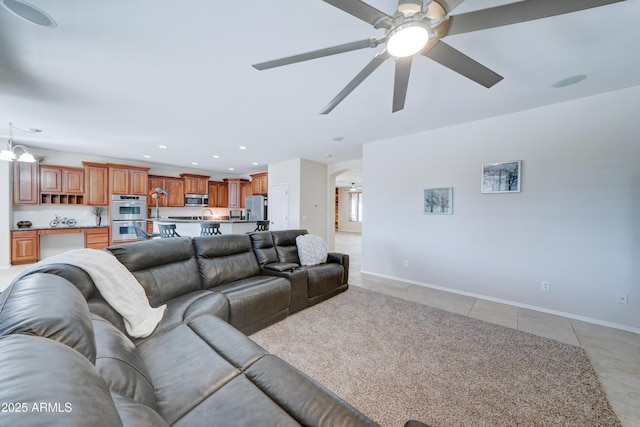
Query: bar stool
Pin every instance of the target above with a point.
(168, 230)
(141, 234)
(209, 228)
(262, 226)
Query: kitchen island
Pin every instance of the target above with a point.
(191, 227)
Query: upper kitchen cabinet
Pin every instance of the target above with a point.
(195, 184)
(245, 190)
(96, 184)
(124, 179)
(174, 188)
(61, 185)
(260, 183)
(235, 192)
(26, 183)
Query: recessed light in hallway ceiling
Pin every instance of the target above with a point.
(29, 13)
(571, 80)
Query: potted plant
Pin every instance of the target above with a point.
(98, 211)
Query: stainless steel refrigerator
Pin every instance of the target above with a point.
(256, 208)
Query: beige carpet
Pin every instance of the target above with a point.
(396, 360)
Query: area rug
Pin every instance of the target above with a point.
(397, 360)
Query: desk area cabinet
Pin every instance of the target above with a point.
(25, 244)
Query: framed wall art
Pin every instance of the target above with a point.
(502, 177)
(438, 201)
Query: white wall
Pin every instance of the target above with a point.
(575, 223)
(313, 199)
(307, 185)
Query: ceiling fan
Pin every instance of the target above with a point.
(418, 27)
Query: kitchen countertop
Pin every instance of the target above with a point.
(206, 219)
(64, 227)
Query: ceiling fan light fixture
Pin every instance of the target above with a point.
(409, 7)
(407, 39)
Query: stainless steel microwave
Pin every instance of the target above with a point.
(196, 200)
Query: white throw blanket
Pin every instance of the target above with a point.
(117, 286)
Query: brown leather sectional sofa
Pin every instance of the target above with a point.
(66, 359)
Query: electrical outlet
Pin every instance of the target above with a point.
(545, 286)
(622, 298)
(405, 263)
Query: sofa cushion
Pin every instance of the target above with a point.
(120, 365)
(51, 307)
(264, 248)
(285, 244)
(224, 259)
(193, 361)
(66, 388)
(312, 249)
(256, 302)
(134, 414)
(189, 306)
(166, 268)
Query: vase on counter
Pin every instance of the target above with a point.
(157, 210)
(98, 221)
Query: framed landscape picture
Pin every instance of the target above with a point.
(438, 201)
(503, 177)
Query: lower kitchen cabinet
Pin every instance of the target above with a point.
(24, 247)
(96, 238)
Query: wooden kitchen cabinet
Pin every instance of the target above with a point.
(24, 247)
(174, 188)
(96, 177)
(175, 192)
(26, 188)
(213, 194)
(234, 192)
(245, 190)
(195, 184)
(50, 179)
(96, 238)
(61, 185)
(130, 180)
(260, 183)
(223, 195)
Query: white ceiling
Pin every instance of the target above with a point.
(117, 78)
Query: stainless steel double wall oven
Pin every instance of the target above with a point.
(125, 210)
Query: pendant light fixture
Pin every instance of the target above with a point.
(9, 152)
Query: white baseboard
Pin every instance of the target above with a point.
(513, 303)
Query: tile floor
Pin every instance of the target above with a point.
(614, 354)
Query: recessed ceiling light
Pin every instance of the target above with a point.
(242, 147)
(215, 156)
(231, 169)
(255, 163)
(571, 80)
(146, 156)
(194, 163)
(328, 155)
(29, 13)
(338, 138)
(162, 146)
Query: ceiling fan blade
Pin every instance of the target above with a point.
(403, 68)
(359, 78)
(462, 64)
(363, 11)
(514, 13)
(328, 51)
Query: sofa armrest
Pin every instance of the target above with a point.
(343, 259)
